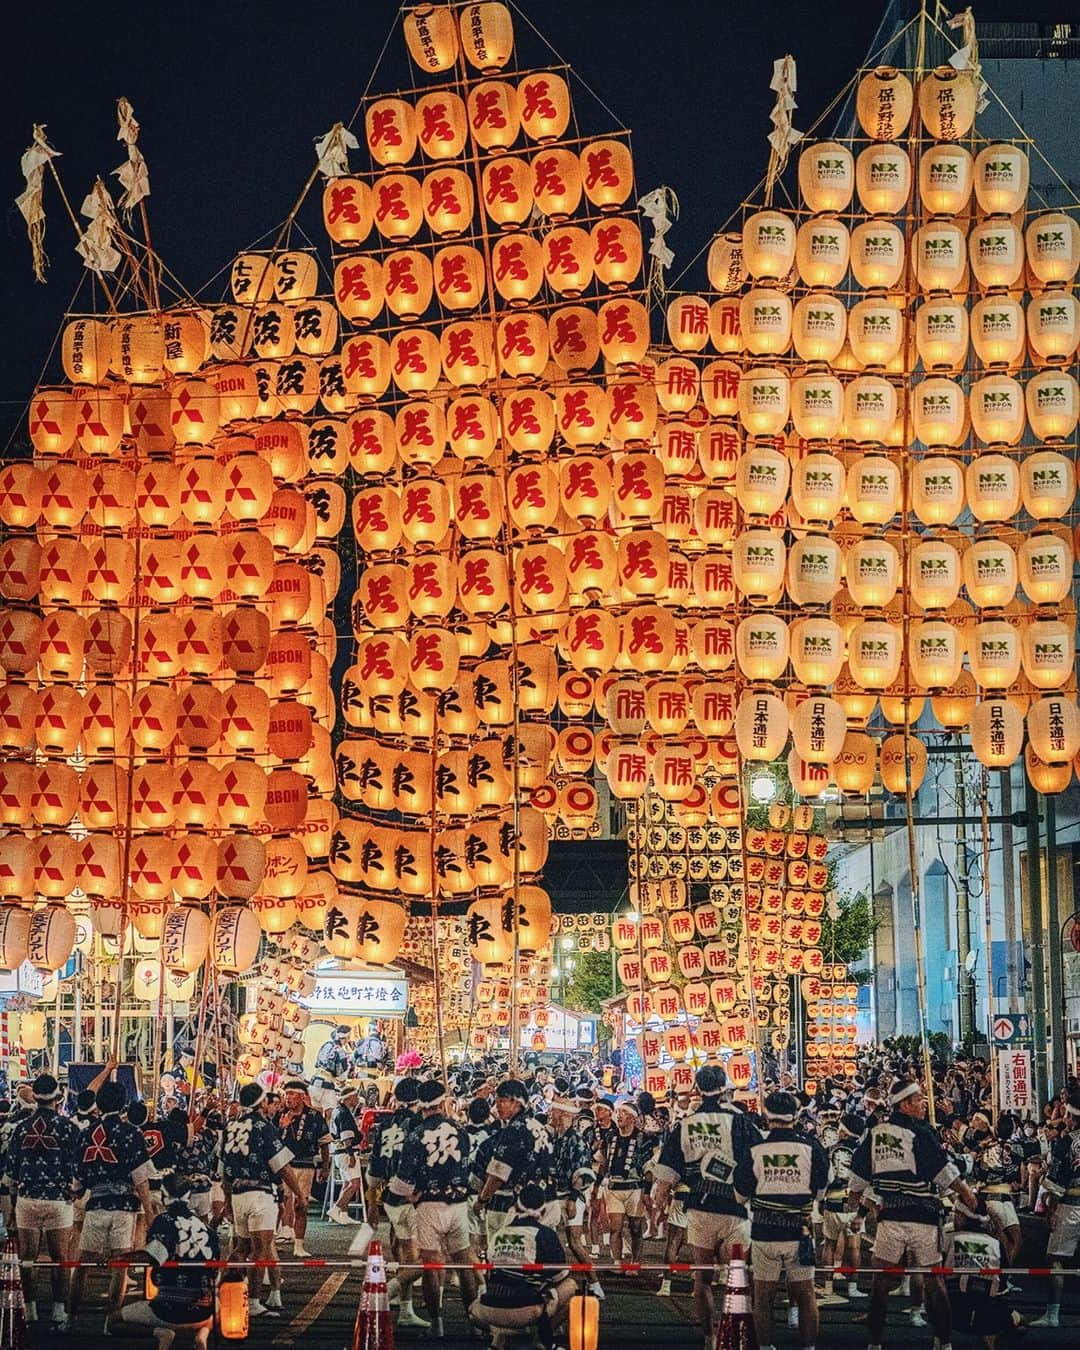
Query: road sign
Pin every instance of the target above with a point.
(1014, 1066)
(1011, 1029)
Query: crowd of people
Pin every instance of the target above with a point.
(544, 1171)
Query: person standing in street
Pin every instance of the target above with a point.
(254, 1159)
(307, 1138)
(902, 1162)
(702, 1150)
(433, 1175)
(1062, 1186)
(520, 1152)
(331, 1066)
(345, 1134)
(781, 1176)
(387, 1141)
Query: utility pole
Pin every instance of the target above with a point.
(965, 980)
(1053, 938)
(1035, 934)
(1009, 894)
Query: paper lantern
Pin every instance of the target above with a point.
(759, 563)
(1046, 567)
(817, 480)
(996, 254)
(348, 210)
(86, 350)
(953, 707)
(487, 35)
(764, 401)
(50, 937)
(1053, 404)
(826, 176)
(1053, 326)
(935, 653)
(817, 651)
(822, 249)
(937, 489)
(947, 99)
(997, 733)
(761, 481)
(494, 114)
(875, 332)
(998, 331)
(939, 251)
(992, 487)
(761, 647)
(946, 174)
(814, 569)
(544, 99)
(1053, 725)
(14, 936)
(1049, 779)
(818, 730)
(1053, 248)
(1047, 484)
(869, 409)
(883, 182)
(903, 764)
(432, 38)
(994, 654)
(761, 726)
(874, 654)
(883, 103)
(608, 173)
(934, 574)
(853, 769)
(768, 244)
(557, 187)
(442, 125)
(990, 573)
(1047, 647)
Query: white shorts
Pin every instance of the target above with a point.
(915, 1244)
(835, 1224)
(573, 1211)
(676, 1215)
(716, 1232)
(254, 1212)
(42, 1216)
(107, 1231)
(1003, 1210)
(1064, 1233)
(323, 1098)
(200, 1204)
(442, 1227)
(630, 1202)
(142, 1315)
(402, 1221)
(770, 1260)
(349, 1171)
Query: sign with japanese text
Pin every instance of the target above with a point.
(359, 993)
(1014, 1066)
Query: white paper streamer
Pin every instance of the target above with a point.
(134, 175)
(31, 200)
(332, 151)
(659, 207)
(99, 252)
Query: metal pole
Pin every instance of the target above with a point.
(965, 985)
(1053, 933)
(1036, 938)
(1009, 894)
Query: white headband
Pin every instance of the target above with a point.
(902, 1094)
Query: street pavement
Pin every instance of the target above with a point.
(320, 1308)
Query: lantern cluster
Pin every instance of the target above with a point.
(270, 1034)
(830, 1003)
(166, 567)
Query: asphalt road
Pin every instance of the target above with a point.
(320, 1307)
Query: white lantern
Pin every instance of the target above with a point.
(940, 256)
(50, 937)
(1001, 179)
(1053, 324)
(761, 648)
(934, 574)
(1053, 404)
(185, 939)
(822, 248)
(814, 570)
(764, 400)
(761, 726)
(997, 409)
(998, 331)
(759, 560)
(875, 331)
(945, 179)
(935, 654)
(817, 480)
(869, 409)
(235, 939)
(761, 480)
(992, 485)
(1053, 247)
(877, 254)
(937, 489)
(872, 568)
(1047, 484)
(818, 729)
(765, 322)
(996, 254)
(873, 489)
(902, 762)
(826, 176)
(818, 327)
(768, 244)
(997, 733)
(939, 412)
(1053, 725)
(817, 653)
(14, 936)
(990, 573)
(941, 334)
(883, 179)
(1046, 568)
(817, 407)
(1047, 652)
(994, 654)
(874, 654)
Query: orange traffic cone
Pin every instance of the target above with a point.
(12, 1305)
(374, 1329)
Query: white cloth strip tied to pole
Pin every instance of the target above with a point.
(783, 136)
(99, 252)
(134, 175)
(332, 151)
(661, 207)
(31, 200)
(967, 58)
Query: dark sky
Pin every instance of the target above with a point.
(231, 95)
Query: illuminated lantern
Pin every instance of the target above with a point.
(56, 857)
(764, 400)
(937, 490)
(442, 125)
(624, 331)
(953, 707)
(1053, 326)
(1053, 404)
(506, 190)
(992, 486)
(1046, 568)
(935, 653)
(494, 114)
(482, 582)
(22, 492)
(1048, 779)
(996, 254)
(998, 331)
(997, 409)
(1053, 248)
(138, 352)
(990, 573)
(487, 35)
(234, 940)
(557, 183)
(874, 653)
(647, 638)
(399, 210)
(765, 320)
(50, 938)
(100, 422)
(359, 288)
(86, 350)
(448, 201)
(1047, 484)
(544, 100)
(242, 788)
(769, 329)
(883, 103)
(390, 127)
(940, 256)
(433, 659)
(348, 210)
(997, 733)
(994, 654)
(947, 99)
(643, 562)
(489, 943)
(1053, 724)
(877, 255)
(818, 730)
(407, 283)
(853, 769)
(54, 417)
(761, 726)
(14, 936)
(759, 561)
(185, 939)
(903, 764)
(817, 480)
(1047, 652)
(467, 353)
(934, 574)
(822, 249)
(724, 331)
(21, 636)
(106, 720)
(58, 720)
(568, 265)
(432, 38)
(761, 481)
(817, 651)
(608, 173)
(883, 184)
(252, 278)
(945, 179)
(826, 176)
(875, 332)
(941, 335)
(761, 648)
(813, 570)
(591, 563)
(242, 865)
(869, 409)
(768, 244)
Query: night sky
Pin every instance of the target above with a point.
(230, 97)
